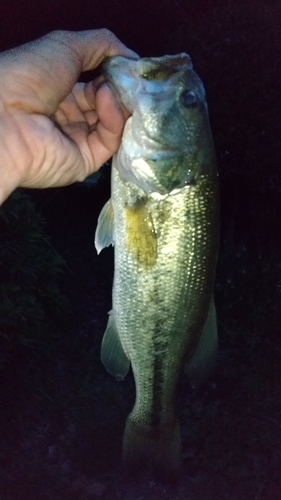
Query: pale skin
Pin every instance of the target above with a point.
(53, 130)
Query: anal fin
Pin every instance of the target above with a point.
(202, 363)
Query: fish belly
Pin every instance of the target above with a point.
(165, 251)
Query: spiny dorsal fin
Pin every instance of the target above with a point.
(113, 356)
(104, 231)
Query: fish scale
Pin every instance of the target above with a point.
(158, 295)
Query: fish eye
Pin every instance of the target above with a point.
(189, 99)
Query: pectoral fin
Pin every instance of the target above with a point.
(104, 231)
(113, 356)
(203, 360)
(141, 236)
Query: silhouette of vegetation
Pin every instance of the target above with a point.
(31, 304)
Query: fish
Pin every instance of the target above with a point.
(163, 220)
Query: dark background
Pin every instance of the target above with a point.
(235, 48)
(63, 415)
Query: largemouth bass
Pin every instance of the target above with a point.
(163, 220)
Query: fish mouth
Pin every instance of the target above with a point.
(118, 70)
(150, 68)
(130, 77)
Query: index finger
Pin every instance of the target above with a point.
(51, 65)
(96, 45)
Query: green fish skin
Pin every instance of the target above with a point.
(163, 220)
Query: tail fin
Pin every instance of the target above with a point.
(157, 449)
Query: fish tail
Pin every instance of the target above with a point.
(158, 449)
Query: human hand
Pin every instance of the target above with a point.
(54, 131)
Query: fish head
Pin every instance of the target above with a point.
(168, 134)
